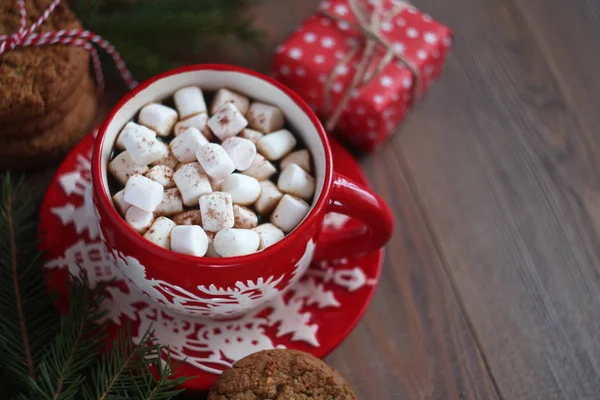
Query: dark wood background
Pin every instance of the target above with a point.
(491, 287)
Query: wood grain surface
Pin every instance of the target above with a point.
(491, 282)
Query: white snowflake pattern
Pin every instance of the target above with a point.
(284, 70)
(340, 9)
(343, 25)
(421, 54)
(310, 37)
(407, 83)
(386, 26)
(378, 99)
(337, 87)
(328, 42)
(398, 47)
(341, 70)
(401, 22)
(412, 33)
(295, 53)
(386, 81)
(300, 71)
(430, 38)
(319, 59)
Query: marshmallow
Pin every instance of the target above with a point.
(143, 193)
(184, 146)
(289, 212)
(217, 211)
(215, 161)
(122, 167)
(169, 160)
(236, 242)
(241, 151)
(158, 117)
(244, 218)
(260, 169)
(227, 122)
(143, 146)
(294, 180)
(119, 201)
(160, 232)
(244, 189)
(191, 217)
(251, 134)
(268, 199)
(269, 234)
(139, 219)
(189, 101)
(192, 182)
(131, 126)
(224, 96)
(189, 239)
(198, 122)
(211, 252)
(163, 175)
(265, 118)
(300, 157)
(171, 203)
(277, 144)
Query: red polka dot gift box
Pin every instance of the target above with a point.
(361, 63)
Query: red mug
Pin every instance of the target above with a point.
(224, 287)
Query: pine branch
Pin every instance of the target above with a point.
(75, 349)
(27, 317)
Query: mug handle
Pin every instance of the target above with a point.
(355, 201)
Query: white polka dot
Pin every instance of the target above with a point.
(313, 93)
(355, 93)
(412, 33)
(340, 9)
(339, 54)
(435, 53)
(295, 53)
(387, 114)
(351, 42)
(399, 47)
(319, 59)
(412, 10)
(422, 54)
(328, 42)
(300, 71)
(285, 70)
(325, 21)
(387, 26)
(429, 70)
(371, 123)
(407, 83)
(390, 127)
(401, 22)
(430, 37)
(310, 37)
(426, 17)
(322, 78)
(337, 87)
(378, 99)
(325, 4)
(343, 25)
(395, 97)
(341, 70)
(361, 110)
(386, 81)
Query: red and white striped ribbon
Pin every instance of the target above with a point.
(26, 36)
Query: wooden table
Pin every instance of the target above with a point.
(491, 287)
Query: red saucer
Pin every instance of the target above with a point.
(313, 316)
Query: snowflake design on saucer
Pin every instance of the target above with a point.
(209, 345)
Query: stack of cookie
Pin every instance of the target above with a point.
(47, 95)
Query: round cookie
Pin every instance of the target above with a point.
(37, 151)
(34, 80)
(282, 375)
(36, 126)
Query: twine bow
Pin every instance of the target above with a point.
(26, 36)
(369, 26)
